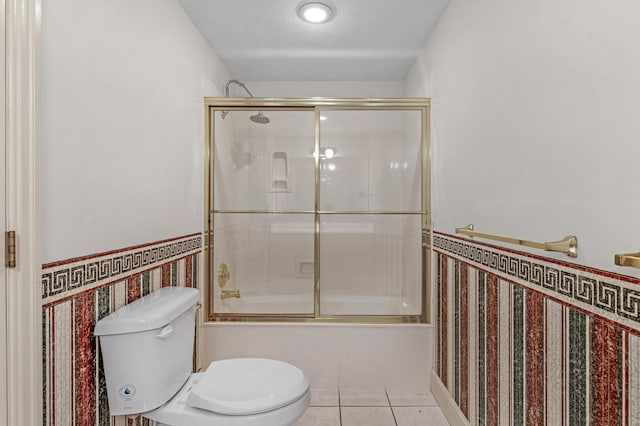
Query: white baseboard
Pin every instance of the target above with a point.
(447, 404)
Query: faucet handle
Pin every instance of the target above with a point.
(223, 274)
(229, 294)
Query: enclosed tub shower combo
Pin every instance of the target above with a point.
(317, 209)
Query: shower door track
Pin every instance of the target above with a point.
(317, 105)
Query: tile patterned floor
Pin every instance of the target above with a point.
(372, 407)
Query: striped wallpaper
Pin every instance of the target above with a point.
(79, 292)
(521, 339)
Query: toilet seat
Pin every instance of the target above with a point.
(247, 386)
(280, 398)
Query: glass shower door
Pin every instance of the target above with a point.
(263, 213)
(320, 212)
(371, 212)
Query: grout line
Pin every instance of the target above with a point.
(373, 406)
(339, 407)
(391, 408)
(416, 405)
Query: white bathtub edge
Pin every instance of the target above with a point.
(208, 324)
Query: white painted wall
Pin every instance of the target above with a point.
(327, 89)
(535, 122)
(122, 130)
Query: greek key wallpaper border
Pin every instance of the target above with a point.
(66, 278)
(613, 297)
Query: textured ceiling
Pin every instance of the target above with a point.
(366, 40)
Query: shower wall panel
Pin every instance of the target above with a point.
(523, 339)
(76, 293)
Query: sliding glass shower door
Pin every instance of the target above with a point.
(370, 212)
(263, 213)
(319, 214)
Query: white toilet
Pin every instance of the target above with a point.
(147, 350)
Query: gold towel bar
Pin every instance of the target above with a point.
(628, 259)
(568, 245)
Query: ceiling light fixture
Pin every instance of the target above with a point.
(315, 13)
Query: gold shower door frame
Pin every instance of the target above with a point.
(213, 104)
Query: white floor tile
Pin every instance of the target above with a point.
(320, 416)
(364, 397)
(324, 398)
(411, 398)
(419, 416)
(369, 416)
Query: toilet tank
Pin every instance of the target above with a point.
(147, 349)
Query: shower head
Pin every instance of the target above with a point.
(259, 118)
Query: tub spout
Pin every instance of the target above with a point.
(228, 294)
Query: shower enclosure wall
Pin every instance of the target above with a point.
(322, 214)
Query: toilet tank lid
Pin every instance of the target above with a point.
(155, 310)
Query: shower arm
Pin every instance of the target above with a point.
(239, 83)
(226, 92)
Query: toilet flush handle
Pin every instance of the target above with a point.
(165, 332)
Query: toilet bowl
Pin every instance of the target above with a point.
(147, 352)
(178, 411)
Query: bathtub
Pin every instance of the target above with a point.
(393, 356)
(329, 305)
(333, 355)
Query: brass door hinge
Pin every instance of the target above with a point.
(10, 249)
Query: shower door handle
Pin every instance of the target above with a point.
(425, 239)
